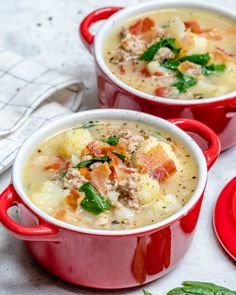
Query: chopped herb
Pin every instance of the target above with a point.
(87, 163)
(120, 155)
(157, 133)
(200, 288)
(201, 59)
(89, 124)
(63, 174)
(93, 201)
(149, 54)
(184, 82)
(213, 68)
(146, 292)
(112, 140)
(172, 64)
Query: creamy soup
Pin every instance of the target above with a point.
(175, 53)
(110, 175)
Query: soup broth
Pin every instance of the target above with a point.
(110, 175)
(175, 53)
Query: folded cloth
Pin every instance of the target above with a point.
(31, 95)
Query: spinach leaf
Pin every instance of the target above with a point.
(184, 82)
(120, 155)
(201, 59)
(200, 288)
(63, 174)
(93, 201)
(146, 292)
(171, 64)
(88, 124)
(87, 163)
(213, 68)
(149, 54)
(112, 140)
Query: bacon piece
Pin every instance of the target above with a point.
(99, 175)
(156, 163)
(72, 199)
(85, 172)
(142, 26)
(162, 91)
(210, 34)
(58, 164)
(96, 148)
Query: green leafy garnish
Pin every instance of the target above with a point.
(88, 124)
(149, 54)
(184, 82)
(200, 288)
(112, 140)
(213, 68)
(146, 292)
(201, 59)
(120, 155)
(87, 163)
(93, 201)
(171, 64)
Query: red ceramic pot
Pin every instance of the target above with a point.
(101, 258)
(219, 113)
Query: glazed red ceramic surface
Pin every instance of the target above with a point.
(224, 218)
(101, 258)
(219, 113)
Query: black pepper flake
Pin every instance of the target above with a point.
(168, 139)
(39, 25)
(39, 151)
(194, 177)
(50, 18)
(115, 222)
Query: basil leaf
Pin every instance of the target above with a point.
(146, 292)
(184, 82)
(88, 124)
(201, 59)
(213, 68)
(87, 163)
(93, 201)
(112, 140)
(149, 54)
(219, 290)
(172, 64)
(120, 155)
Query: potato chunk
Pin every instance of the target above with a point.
(50, 197)
(148, 189)
(177, 29)
(75, 141)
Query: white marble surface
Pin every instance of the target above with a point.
(47, 31)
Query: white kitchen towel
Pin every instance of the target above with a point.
(31, 95)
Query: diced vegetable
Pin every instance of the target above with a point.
(149, 54)
(213, 68)
(93, 202)
(176, 29)
(87, 163)
(148, 189)
(75, 141)
(184, 82)
(112, 140)
(201, 59)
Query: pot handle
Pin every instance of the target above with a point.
(214, 147)
(99, 14)
(41, 232)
